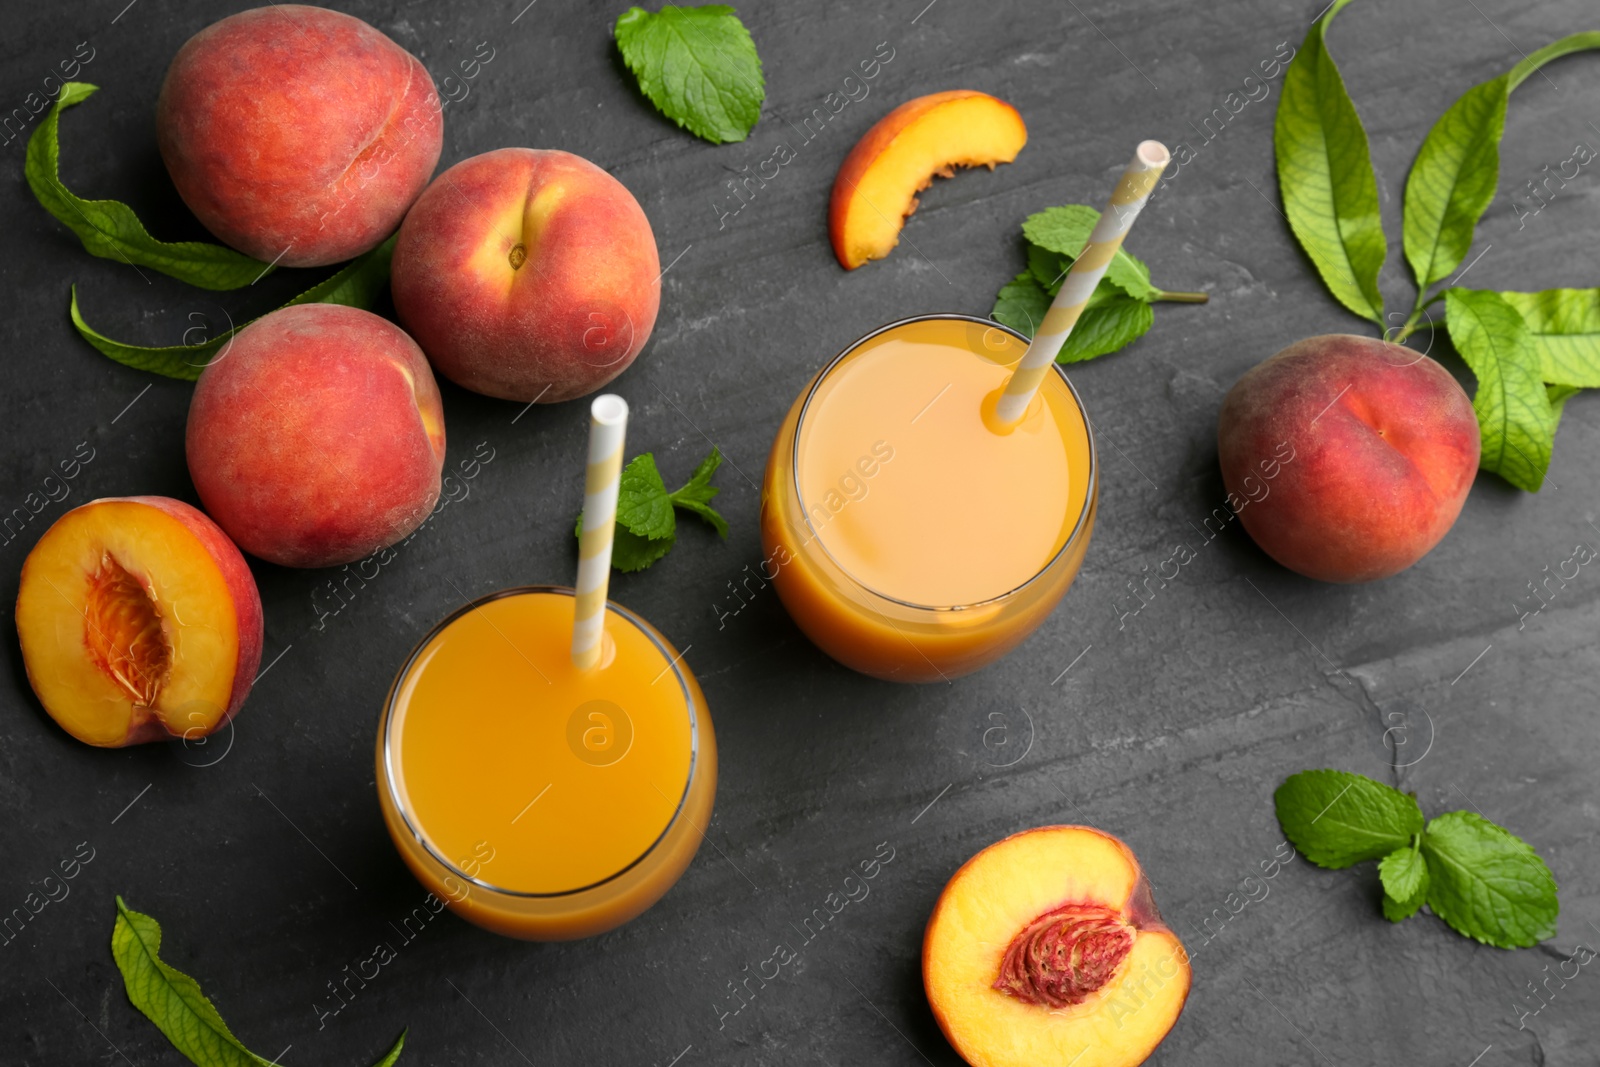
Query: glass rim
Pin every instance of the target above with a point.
(794, 463)
(403, 810)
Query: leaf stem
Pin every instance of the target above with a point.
(1182, 298)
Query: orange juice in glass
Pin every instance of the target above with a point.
(913, 537)
(537, 799)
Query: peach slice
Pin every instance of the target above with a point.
(139, 621)
(879, 180)
(1046, 949)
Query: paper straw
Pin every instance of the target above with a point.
(608, 424)
(1087, 270)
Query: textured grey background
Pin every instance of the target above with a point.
(270, 869)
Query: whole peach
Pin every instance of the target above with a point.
(528, 275)
(298, 135)
(317, 437)
(1347, 458)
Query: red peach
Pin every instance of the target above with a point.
(528, 275)
(298, 135)
(317, 437)
(1383, 447)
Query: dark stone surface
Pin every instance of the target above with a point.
(270, 869)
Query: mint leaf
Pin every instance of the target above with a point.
(1050, 268)
(1400, 910)
(646, 522)
(1516, 423)
(1456, 171)
(357, 284)
(1066, 230)
(1113, 324)
(173, 1001)
(1488, 884)
(1564, 325)
(1110, 321)
(1336, 818)
(697, 494)
(109, 229)
(643, 506)
(630, 552)
(1022, 303)
(1403, 873)
(698, 66)
(1330, 194)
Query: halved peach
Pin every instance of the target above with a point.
(1046, 949)
(879, 180)
(139, 621)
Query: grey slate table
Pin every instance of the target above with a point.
(269, 866)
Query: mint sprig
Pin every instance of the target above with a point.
(647, 525)
(1118, 312)
(697, 65)
(1530, 351)
(1480, 879)
(357, 284)
(110, 229)
(173, 1001)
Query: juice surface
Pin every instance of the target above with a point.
(526, 773)
(908, 488)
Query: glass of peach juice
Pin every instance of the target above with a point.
(534, 798)
(910, 535)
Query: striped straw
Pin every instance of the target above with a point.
(608, 424)
(1087, 270)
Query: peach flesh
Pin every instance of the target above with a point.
(875, 190)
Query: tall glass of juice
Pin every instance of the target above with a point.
(911, 535)
(534, 798)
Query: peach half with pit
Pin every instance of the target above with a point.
(877, 185)
(1046, 949)
(139, 621)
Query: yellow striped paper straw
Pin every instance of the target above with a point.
(608, 425)
(1087, 270)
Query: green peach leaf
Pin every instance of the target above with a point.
(109, 228)
(1565, 328)
(1330, 194)
(1516, 421)
(173, 1001)
(357, 284)
(1455, 173)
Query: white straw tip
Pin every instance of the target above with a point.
(1154, 154)
(609, 409)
